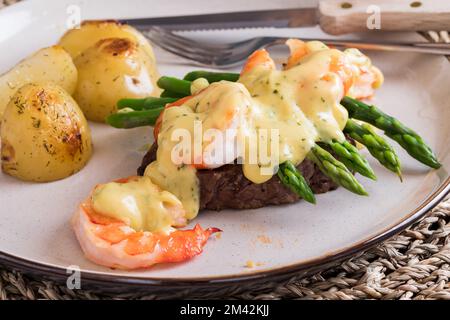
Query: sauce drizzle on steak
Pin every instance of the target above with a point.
(227, 187)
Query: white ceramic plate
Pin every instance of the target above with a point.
(34, 224)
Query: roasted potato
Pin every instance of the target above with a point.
(112, 69)
(51, 64)
(75, 41)
(44, 134)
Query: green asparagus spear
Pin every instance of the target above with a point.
(350, 156)
(377, 146)
(335, 169)
(291, 177)
(211, 76)
(175, 85)
(144, 104)
(170, 94)
(407, 138)
(132, 119)
(177, 88)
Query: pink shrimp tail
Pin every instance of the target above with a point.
(182, 245)
(213, 230)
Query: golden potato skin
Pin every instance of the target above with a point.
(51, 64)
(112, 69)
(44, 134)
(75, 41)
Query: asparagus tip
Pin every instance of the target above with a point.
(311, 199)
(399, 174)
(371, 176)
(436, 165)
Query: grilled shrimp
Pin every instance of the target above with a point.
(113, 242)
(358, 76)
(220, 107)
(355, 69)
(259, 58)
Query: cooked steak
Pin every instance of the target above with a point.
(227, 187)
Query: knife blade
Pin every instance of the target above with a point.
(243, 19)
(333, 16)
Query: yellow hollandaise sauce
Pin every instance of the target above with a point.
(219, 107)
(275, 116)
(302, 103)
(139, 203)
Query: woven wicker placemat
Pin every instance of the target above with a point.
(413, 265)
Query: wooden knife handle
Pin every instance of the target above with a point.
(347, 16)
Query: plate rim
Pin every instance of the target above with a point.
(90, 279)
(59, 274)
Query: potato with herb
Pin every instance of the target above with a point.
(51, 64)
(44, 134)
(75, 41)
(112, 69)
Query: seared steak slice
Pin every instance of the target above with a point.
(227, 187)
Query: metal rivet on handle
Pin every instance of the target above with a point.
(346, 5)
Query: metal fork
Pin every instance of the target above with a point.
(231, 54)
